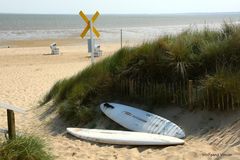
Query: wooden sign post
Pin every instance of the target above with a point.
(121, 37)
(11, 124)
(92, 29)
(10, 119)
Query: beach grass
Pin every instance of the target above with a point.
(25, 147)
(209, 56)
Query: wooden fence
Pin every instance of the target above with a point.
(183, 93)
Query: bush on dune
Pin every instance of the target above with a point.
(193, 54)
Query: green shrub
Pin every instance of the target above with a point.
(24, 148)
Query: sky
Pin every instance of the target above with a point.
(118, 6)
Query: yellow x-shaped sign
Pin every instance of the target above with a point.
(88, 24)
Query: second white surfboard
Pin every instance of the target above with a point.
(138, 120)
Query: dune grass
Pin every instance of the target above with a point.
(192, 54)
(24, 148)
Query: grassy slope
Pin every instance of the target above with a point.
(210, 56)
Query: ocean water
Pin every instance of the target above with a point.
(135, 27)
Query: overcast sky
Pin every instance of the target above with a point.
(118, 6)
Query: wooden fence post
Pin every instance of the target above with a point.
(131, 87)
(232, 100)
(180, 92)
(190, 95)
(11, 124)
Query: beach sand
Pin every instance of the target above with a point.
(27, 72)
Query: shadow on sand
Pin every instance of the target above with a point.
(204, 125)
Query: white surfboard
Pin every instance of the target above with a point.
(123, 137)
(138, 120)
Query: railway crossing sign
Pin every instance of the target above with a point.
(91, 28)
(84, 17)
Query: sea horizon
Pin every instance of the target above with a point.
(135, 26)
(177, 13)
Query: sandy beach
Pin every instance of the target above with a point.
(27, 72)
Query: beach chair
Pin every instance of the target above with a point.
(54, 49)
(97, 51)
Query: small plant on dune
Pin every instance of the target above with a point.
(179, 57)
(24, 148)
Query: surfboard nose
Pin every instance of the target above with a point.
(176, 140)
(102, 107)
(180, 134)
(105, 106)
(179, 141)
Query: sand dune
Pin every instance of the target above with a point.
(26, 74)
